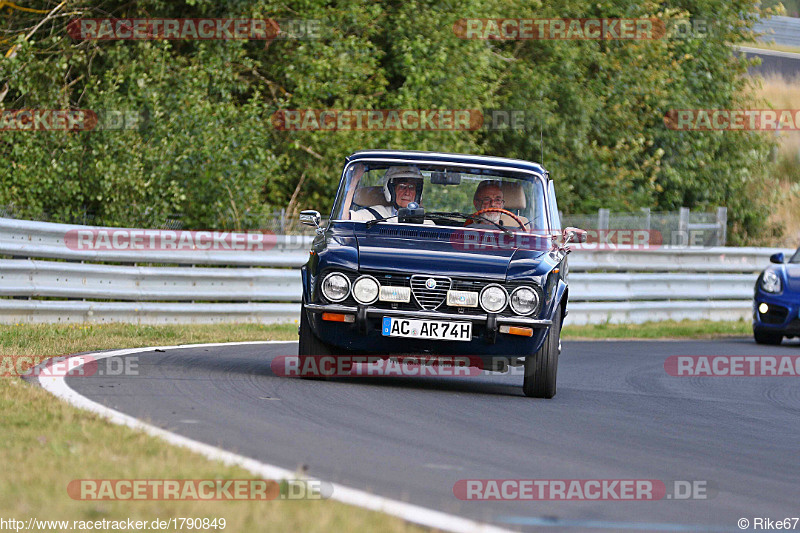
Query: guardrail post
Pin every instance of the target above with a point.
(683, 226)
(722, 222)
(602, 218)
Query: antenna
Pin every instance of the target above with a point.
(541, 143)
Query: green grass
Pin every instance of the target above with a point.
(670, 329)
(46, 443)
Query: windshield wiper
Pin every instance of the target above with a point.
(450, 214)
(374, 221)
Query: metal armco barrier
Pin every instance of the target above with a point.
(43, 280)
(782, 30)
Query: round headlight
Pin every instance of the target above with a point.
(493, 298)
(771, 282)
(524, 300)
(335, 287)
(365, 290)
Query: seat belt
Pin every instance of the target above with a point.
(374, 213)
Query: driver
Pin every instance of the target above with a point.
(402, 185)
(489, 194)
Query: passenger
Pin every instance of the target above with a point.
(402, 185)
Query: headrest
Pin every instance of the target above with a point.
(514, 195)
(369, 196)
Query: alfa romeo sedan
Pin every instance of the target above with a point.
(440, 254)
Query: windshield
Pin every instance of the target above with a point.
(377, 190)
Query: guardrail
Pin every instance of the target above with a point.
(43, 280)
(782, 30)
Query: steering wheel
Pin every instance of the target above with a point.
(497, 210)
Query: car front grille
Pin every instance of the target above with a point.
(430, 291)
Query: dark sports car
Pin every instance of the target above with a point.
(776, 303)
(440, 254)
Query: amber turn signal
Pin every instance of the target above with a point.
(338, 317)
(516, 330)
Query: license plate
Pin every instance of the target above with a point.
(427, 329)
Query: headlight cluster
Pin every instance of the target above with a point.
(494, 298)
(366, 289)
(335, 287)
(770, 282)
(524, 300)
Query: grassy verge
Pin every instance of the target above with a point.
(772, 46)
(670, 329)
(46, 443)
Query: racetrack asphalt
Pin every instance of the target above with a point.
(617, 415)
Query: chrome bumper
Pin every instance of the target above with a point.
(432, 315)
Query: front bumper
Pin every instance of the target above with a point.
(364, 334)
(432, 315)
(783, 315)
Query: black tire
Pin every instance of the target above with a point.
(541, 368)
(310, 346)
(309, 343)
(766, 337)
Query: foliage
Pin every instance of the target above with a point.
(207, 151)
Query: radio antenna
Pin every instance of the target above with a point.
(541, 143)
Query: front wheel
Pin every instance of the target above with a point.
(309, 343)
(541, 368)
(311, 350)
(764, 337)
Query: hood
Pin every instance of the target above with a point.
(435, 251)
(792, 271)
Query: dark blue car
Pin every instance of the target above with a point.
(776, 303)
(444, 255)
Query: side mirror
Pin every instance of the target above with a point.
(574, 235)
(310, 218)
(776, 258)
